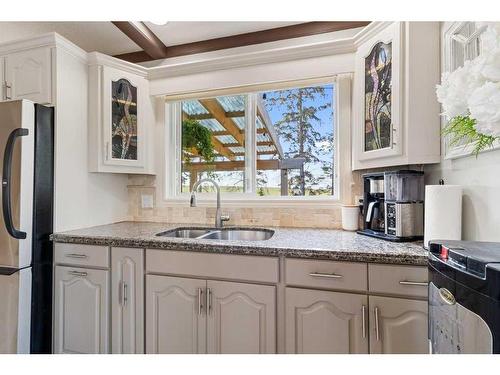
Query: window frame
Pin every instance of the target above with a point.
(172, 193)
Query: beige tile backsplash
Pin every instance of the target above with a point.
(323, 217)
(328, 216)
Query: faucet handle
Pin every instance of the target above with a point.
(224, 218)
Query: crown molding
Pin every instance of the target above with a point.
(44, 40)
(97, 58)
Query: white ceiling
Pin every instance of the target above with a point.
(106, 38)
(174, 33)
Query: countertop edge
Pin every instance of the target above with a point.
(237, 249)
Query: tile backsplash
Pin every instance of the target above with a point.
(317, 217)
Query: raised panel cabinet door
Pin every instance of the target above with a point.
(398, 326)
(127, 300)
(81, 310)
(321, 322)
(28, 75)
(241, 318)
(175, 315)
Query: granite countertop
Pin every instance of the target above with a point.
(290, 242)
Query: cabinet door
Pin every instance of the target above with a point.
(241, 318)
(124, 118)
(127, 300)
(175, 315)
(81, 310)
(398, 326)
(378, 115)
(325, 322)
(28, 75)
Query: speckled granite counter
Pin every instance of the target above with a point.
(289, 242)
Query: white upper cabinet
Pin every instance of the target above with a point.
(121, 117)
(396, 113)
(28, 75)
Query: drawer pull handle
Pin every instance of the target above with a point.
(77, 273)
(414, 283)
(77, 256)
(326, 275)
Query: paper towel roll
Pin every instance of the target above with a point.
(443, 213)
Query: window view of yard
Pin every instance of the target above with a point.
(294, 149)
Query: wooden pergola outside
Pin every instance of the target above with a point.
(225, 118)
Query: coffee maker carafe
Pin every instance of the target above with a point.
(373, 204)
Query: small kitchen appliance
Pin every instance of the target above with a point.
(393, 205)
(27, 148)
(464, 297)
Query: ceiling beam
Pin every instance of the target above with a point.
(246, 39)
(141, 35)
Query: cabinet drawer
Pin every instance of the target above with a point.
(81, 255)
(402, 280)
(326, 274)
(234, 267)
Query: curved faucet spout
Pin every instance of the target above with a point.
(219, 218)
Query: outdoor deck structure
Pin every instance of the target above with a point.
(225, 118)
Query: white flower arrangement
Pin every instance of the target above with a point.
(470, 95)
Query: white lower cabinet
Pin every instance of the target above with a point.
(81, 303)
(325, 322)
(398, 326)
(127, 301)
(197, 316)
(241, 318)
(175, 316)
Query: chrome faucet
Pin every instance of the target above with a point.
(219, 218)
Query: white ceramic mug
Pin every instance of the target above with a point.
(350, 217)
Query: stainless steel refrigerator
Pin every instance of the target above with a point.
(26, 145)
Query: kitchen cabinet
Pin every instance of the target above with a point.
(319, 322)
(398, 326)
(396, 114)
(198, 316)
(28, 75)
(240, 318)
(127, 300)
(175, 315)
(81, 300)
(121, 117)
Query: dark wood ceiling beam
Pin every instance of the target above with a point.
(141, 35)
(246, 39)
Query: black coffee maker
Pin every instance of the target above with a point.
(373, 205)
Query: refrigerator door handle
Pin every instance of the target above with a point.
(7, 169)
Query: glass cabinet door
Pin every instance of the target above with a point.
(377, 97)
(123, 120)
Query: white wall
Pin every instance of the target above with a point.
(82, 199)
(481, 202)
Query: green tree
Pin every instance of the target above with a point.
(298, 127)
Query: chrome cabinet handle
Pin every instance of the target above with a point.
(326, 275)
(125, 292)
(78, 256)
(77, 273)
(415, 283)
(7, 87)
(200, 304)
(377, 333)
(363, 312)
(209, 301)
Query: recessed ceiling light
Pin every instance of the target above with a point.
(159, 22)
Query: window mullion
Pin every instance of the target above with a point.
(250, 144)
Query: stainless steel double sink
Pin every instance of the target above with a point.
(228, 234)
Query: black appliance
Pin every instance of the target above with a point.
(27, 148)
(464, 297)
